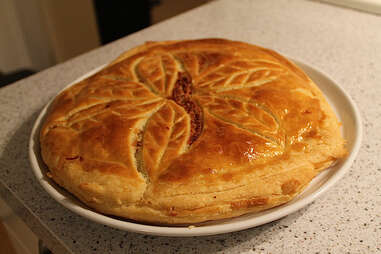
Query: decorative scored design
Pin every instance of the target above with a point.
(165, 137)
(246, 115)
(159, 72)
(239, 74)
(169, 94)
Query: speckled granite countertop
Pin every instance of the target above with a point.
(344, 43)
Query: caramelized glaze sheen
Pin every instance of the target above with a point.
(164, 129)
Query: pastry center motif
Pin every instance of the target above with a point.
(164, 99)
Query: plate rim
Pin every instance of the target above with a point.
(215, 229)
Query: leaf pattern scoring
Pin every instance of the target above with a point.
(167, 95)
(165, 137)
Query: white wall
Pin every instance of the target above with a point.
(37, 34)
(71, 25)
(13, 50)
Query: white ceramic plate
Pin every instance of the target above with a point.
(352, 131)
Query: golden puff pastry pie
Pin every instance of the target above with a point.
(189, 131)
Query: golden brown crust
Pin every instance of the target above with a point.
(190, 131)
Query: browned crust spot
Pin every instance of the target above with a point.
(290, 187)
(248, 203)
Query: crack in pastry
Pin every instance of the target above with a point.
(182, 95)
(139, 154)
